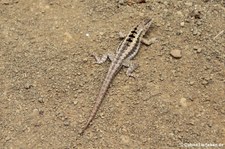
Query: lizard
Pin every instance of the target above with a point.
(125, 52)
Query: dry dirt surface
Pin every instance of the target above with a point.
(49, 81)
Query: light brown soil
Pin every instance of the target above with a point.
(49, 80)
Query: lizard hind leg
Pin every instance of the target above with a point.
(100, 60)
(130, 68)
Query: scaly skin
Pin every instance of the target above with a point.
(127, 49)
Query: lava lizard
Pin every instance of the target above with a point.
(126, 51)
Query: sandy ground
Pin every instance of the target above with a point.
(49, 81)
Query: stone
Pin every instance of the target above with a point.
(176, 53)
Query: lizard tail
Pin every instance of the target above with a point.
(99, 100)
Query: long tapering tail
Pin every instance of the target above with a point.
(99, 100)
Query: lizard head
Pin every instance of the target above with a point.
(145, 25)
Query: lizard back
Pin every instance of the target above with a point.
(127, 49)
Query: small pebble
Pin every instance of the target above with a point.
(141, 14)
(111, 36)
(176, 53)
(204, 82)
(180, 13)
(40, 100)
(68, 35)
(199, 23)
(75, 102)
(27, 86)
(199, 50)
(182, 24)
(192, 83)
(188, 4)
(195, 31)
(195, 48)
(121, 2)
(66, 123)
(85, 60)
(35, 112)
(7, 138)
(125, 139)
(183, 102)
